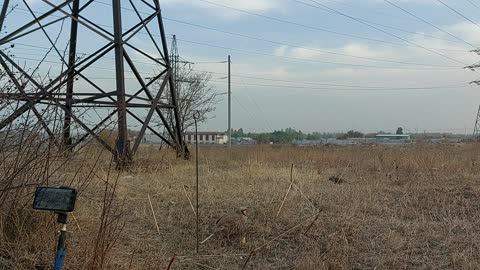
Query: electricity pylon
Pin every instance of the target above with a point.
(476, 129)
(133, 37)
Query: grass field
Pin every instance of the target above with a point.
(355, 207)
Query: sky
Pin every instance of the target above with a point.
(312, 106)
(326, 65)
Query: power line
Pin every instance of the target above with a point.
(439, 67)
(341, 89)
(306, 26)
(250, 113)
(37, 48)
(392, 27)
(392, 61)
(311, 60)
(382, 67)
(267, 79)
(335, 85)
(246, 110)
(258, 78)
(354, 88)
(427, 22)
(213, 62)
(473, 4)
(262, 113)
(294, 46)
(210, 28)
(385, 32)
(356, 7)
(458, 13)
(316, 28)
(61, 63)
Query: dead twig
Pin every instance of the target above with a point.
(204, 265)
(131, 259)
(311, 224)
(288, 191)
(76, 222)
(190, 201)
(256, 250)
(186, 257)
(282, 234)
(153, 212)
(248, 260)
(171, 262)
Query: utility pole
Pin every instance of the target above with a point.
(229, 105)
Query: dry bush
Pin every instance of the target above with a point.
(28, 237)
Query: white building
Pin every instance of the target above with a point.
(207, 137)
(393, 136)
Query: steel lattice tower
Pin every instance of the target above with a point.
(132, 37)
(476, 129)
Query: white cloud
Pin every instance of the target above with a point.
(280, 51)
(247, 5)
(364, 51)
(430, 2)
(358, 50)
(309, 53)
(465, 30)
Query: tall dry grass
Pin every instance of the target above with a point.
(28, 237)
(402, 207)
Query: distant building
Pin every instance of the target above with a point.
(152, 139)
(393, 136)
(244, 141)
(207, 137)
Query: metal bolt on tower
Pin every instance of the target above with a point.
(114, 60)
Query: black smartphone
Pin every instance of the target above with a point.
(58, 199)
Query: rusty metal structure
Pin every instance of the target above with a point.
(133, 36)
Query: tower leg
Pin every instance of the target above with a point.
(67, 138)
(122, 147)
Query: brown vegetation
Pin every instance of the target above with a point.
(356, 207)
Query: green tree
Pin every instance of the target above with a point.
(314, 136)
(238, 133)
(354, 134)
(399, 131)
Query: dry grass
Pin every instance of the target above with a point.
(402, 207)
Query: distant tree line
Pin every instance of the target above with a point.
(289, 135)
(285, 136)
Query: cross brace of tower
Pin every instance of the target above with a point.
(65, 92)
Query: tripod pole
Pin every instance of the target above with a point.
(61, 247)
